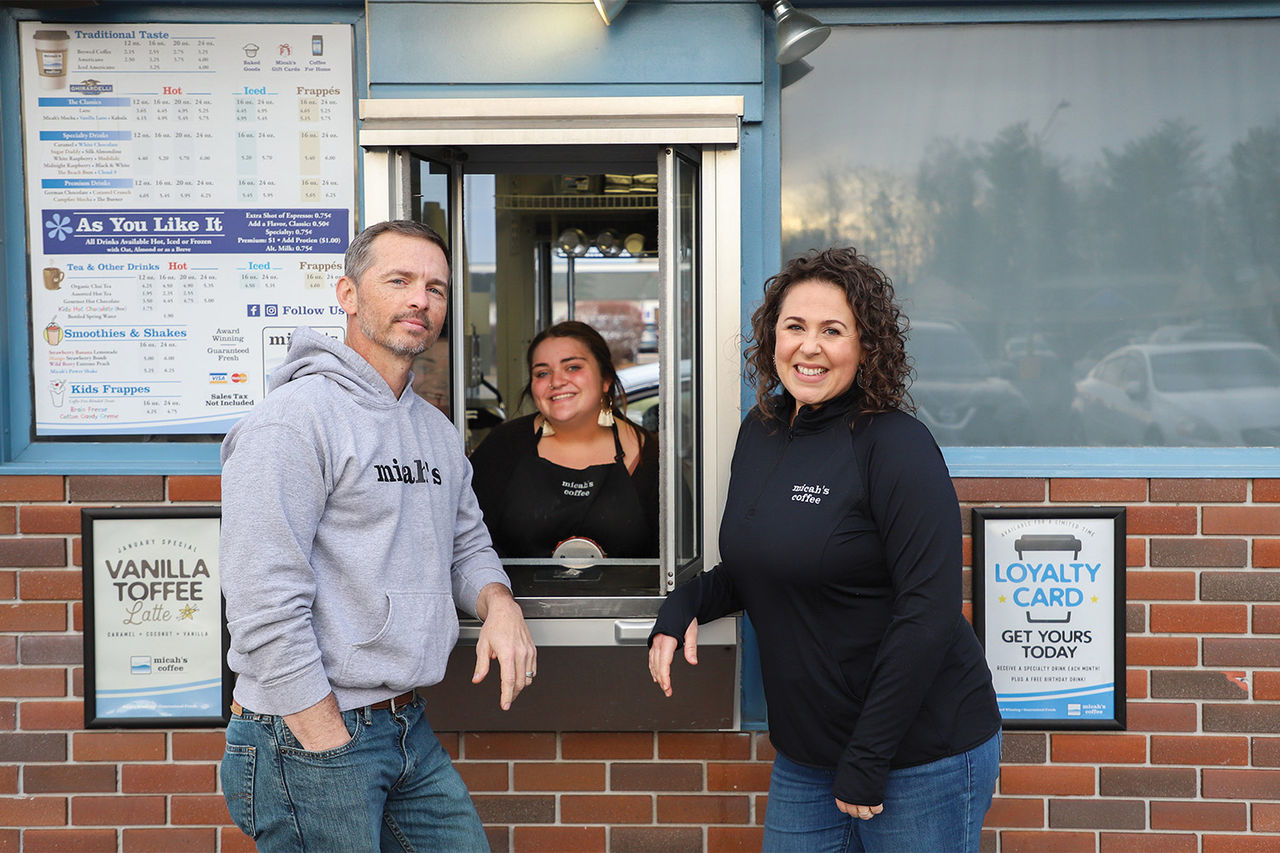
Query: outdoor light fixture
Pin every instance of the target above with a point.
(609, 9)
(798, 34)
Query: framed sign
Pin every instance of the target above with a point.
(1048, 606)
(191, 189)
(155, 637)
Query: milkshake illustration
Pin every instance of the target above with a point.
(56, 389)
(53, 333)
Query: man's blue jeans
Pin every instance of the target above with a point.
(391, 787)
(932, 808)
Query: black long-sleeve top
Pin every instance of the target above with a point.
(841, 539)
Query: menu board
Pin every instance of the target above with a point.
(190, 192)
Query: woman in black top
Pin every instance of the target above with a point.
(841, 540)
(578, 469)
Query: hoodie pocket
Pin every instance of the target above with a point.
(410, 649)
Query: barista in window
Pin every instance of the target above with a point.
(575, 469)
(841, 539)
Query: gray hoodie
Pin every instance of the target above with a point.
(349, 534)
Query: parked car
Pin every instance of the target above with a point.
(1216, 394)
(958, 394)
(640, 382)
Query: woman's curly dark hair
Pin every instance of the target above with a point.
(884, 369)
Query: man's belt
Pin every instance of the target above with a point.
(394, 702)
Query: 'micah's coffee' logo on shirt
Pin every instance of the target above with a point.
(809, 493)
(574, 489)
(418, 472)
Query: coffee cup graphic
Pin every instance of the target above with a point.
(53, 278)
(51, 58)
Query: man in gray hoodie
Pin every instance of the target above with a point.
(350, 534)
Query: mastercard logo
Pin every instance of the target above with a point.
(239, 377)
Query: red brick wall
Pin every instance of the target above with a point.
(1197, 770)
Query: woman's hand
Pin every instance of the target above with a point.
(860, 812)
(663, 651)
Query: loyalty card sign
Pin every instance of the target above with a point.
(1049, 608)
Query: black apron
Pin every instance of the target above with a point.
(547, 503)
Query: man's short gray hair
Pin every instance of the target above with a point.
(359, 256)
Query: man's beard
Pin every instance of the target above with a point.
(387, 339)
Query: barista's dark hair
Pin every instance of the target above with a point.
(596, 346)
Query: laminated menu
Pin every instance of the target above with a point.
(190, 192)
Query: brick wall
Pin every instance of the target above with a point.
(1197, 770)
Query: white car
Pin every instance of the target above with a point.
(1214, 394)
(640, 383)
(958, 394)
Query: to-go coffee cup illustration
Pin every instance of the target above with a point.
(53, 278)
(51, 57)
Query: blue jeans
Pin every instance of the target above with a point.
(391, 787)
(931, 808)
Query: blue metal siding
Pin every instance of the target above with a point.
(451, 44)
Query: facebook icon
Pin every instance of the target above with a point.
(254, 310)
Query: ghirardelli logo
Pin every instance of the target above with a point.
(418, 472)
(90, 87)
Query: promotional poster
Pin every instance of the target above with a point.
(1048, 607)
(153, 616)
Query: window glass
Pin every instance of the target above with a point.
(429, 203)
(686, 311)
(1044, 195)
(541, 246)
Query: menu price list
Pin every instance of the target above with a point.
(187, 184)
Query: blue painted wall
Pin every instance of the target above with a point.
(427, 49)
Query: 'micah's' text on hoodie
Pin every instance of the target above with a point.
(349, 534)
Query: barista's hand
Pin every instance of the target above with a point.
(504, 636)
(663, 651)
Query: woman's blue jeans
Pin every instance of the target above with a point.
(931, 808)
(391, 787)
